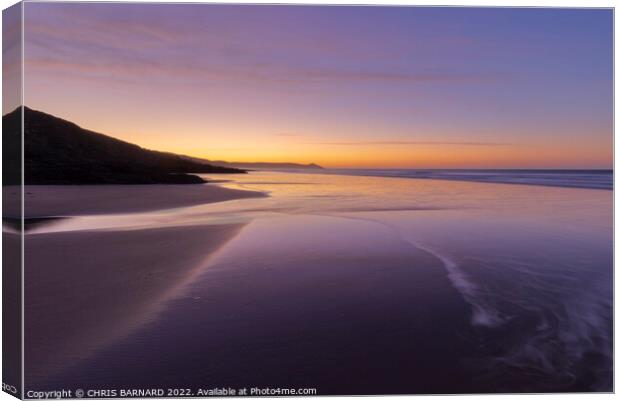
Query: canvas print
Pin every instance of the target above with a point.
(249, 200)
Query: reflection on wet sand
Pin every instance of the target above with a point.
(496, 287)
(303, 301)
(85, 290)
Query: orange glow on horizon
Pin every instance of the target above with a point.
(245, 143)
(285, 150)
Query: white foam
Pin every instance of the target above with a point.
(483, 314)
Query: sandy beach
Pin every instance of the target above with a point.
(87, 289)
(376, 319)
(75, 200)
(325, 284)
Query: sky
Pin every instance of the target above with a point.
(341, 86)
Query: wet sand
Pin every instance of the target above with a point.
(75, 200)
(356, 311)
(310, 294)
(87, 289)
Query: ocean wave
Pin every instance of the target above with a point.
(552, 325)
(589, 179)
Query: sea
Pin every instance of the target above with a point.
(595, 179)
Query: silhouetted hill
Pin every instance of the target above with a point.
(57, 151)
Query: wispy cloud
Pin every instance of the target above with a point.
(144, 68)
(358, 143)
(317, 75)
(150, 47)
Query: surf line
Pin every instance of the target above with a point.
(483, 313)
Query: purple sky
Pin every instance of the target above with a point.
(339, 86)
